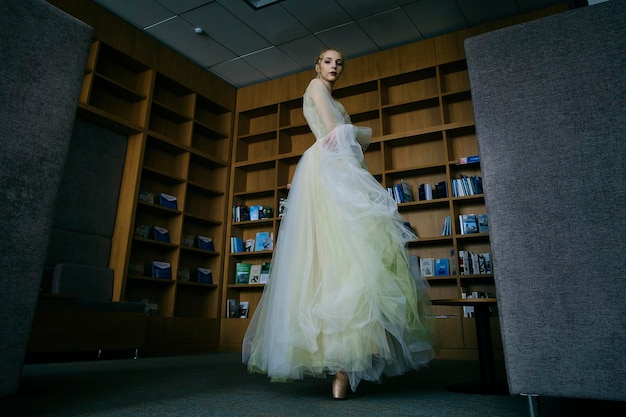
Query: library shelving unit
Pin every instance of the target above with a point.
(179, 145)
(417, 100)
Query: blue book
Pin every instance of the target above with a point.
(263, 241)
(236, 244)
(442, 267)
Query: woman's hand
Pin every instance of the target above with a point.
(330, 141)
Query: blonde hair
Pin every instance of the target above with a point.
(320, 56)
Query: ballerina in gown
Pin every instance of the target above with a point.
(341, 299)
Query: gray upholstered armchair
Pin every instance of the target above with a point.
(43, 52)
(549, 100)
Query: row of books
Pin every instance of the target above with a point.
(203, 275)
(237, 309)
(163, 270)
(468, 224)
(162, 234)
(401, 192)
(467, 185)
(242, 212)
(246, 273)
(473, 223)
(430, 192)
(473, 263)
(263, 241)
(435, 267)
(162, 199)
(468, 311)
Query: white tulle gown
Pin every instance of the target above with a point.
(340, 296)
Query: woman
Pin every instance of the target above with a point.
(341, 299)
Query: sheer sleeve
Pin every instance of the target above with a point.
(321, 111)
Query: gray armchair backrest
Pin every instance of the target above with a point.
(43, 53)
(549, 101)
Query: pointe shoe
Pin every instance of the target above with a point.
(340, 385)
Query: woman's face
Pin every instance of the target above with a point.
(330, 66)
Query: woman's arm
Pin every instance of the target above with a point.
(322, 100)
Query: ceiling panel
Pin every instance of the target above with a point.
(360, 9)
(272, 62)
(350, 38)
(478, 12)
(390, 28)
(182, 6)
(317, 15)
(275, 24)
(226, 28)
(246, 46)
(436, 17)
(299, 50)
(238, 72)
(179, 34)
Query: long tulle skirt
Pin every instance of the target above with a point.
(341, 296)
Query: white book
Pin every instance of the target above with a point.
(427, 267)
(255, 274)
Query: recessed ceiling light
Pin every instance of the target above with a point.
(257, 4)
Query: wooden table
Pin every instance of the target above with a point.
(486, 361)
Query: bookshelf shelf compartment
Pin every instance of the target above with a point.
(411, 116)
(454, 77)
(294, 141)
(173, 97)
(257, 147)
(257, 121)
(359, 98)
(457, 108)
(415, 151)
(410, 87)
(291, 114)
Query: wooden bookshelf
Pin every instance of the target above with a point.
(420, 111)
(211, 146)
(178, 119)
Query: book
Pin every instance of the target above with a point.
(264, 241)
(255, 274)
(204, 275)
(483, 223)
(464, 263)
(254, 212)
(249, 245)
(407, 195)
(242, 273)
(425, 192)
(440, 190)
(243, 309)
(168, 201)
(232, 308)
(265, 212)
(484, 262)
(446, 228)
(161, 234)
(265, 272)
(427, 267)
(475, 265)
(236, 244)
(442, 267)
(398, 195)
(468, 224)
(206, 243)
(469, 159)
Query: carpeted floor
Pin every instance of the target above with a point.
(218, 384)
